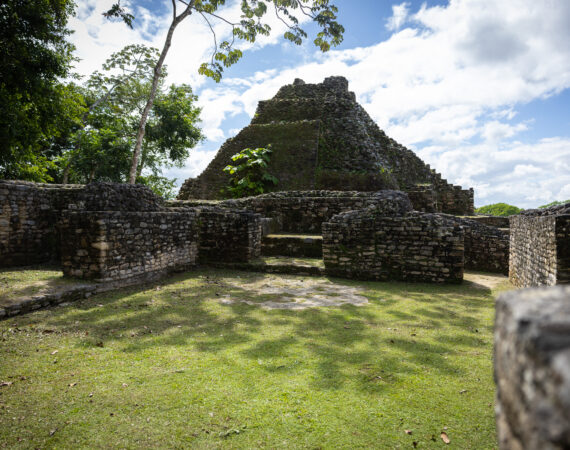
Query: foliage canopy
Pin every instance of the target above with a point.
(554, 203)
(35, 107)
(498, 209)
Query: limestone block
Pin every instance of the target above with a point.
(532, 368)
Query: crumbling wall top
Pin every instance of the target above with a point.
(337, 86)
(556, 210)
(119, 197)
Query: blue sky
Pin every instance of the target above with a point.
(479, 89)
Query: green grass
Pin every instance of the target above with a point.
(17, 284)
(169, 366)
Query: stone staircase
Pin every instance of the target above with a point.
(292, 245)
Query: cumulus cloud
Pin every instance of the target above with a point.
(96, 38)
(399, 16)
(447, 83)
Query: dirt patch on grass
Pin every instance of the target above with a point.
(485, 280)
(281, 292)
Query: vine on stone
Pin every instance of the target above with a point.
(249, 174)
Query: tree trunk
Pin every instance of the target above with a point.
(66, 172)
(157, 71)
(141, 164)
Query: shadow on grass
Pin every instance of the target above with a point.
(339, 345)
(21, 283)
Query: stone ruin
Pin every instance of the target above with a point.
(532, 368)
(359, 226)
(322, 139)
(540, 247)
(121, 233)
(337, 201)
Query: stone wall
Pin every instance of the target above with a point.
(29, 213)
(123, 245)
(305, 211)
(540, 247)
(117, 197)
(228, 235)
(493, 221)
(532, 368)
(486, 248)
(28, 216)
(371, 245)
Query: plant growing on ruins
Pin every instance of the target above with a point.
(225, 53)
(249, 174)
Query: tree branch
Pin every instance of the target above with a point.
(291, 27)
(213, 34)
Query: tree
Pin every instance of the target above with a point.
(225, 53)
(34, 105)
(113, 100)
(132, 63)
(555, 203)
(498, 209)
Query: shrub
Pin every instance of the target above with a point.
(554, 203)
(498, 209)
(249, 173)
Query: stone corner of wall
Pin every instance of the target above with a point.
(532, 368)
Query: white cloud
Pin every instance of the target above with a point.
(453, 76)
(96, 38)
(495, 131)
(399, 16)
(198, 161)
(523, 174)
(447, 83)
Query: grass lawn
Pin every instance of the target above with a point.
(187, 363)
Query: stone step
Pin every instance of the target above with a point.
(292, 245)
(280, 264)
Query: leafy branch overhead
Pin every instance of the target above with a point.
(247, 29)
(251, 25)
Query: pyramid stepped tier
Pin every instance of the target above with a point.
(323, 139)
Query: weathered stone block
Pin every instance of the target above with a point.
(354, 248)
(532, 368)
(540, 247)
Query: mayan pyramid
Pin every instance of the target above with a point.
(322, 139)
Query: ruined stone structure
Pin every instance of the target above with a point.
(540, 247)
(122, 232)
(114, 232)
(376, 244)
(28, 217)
(532, 368)
(322, 139)
(300, 211)
(486, 247)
